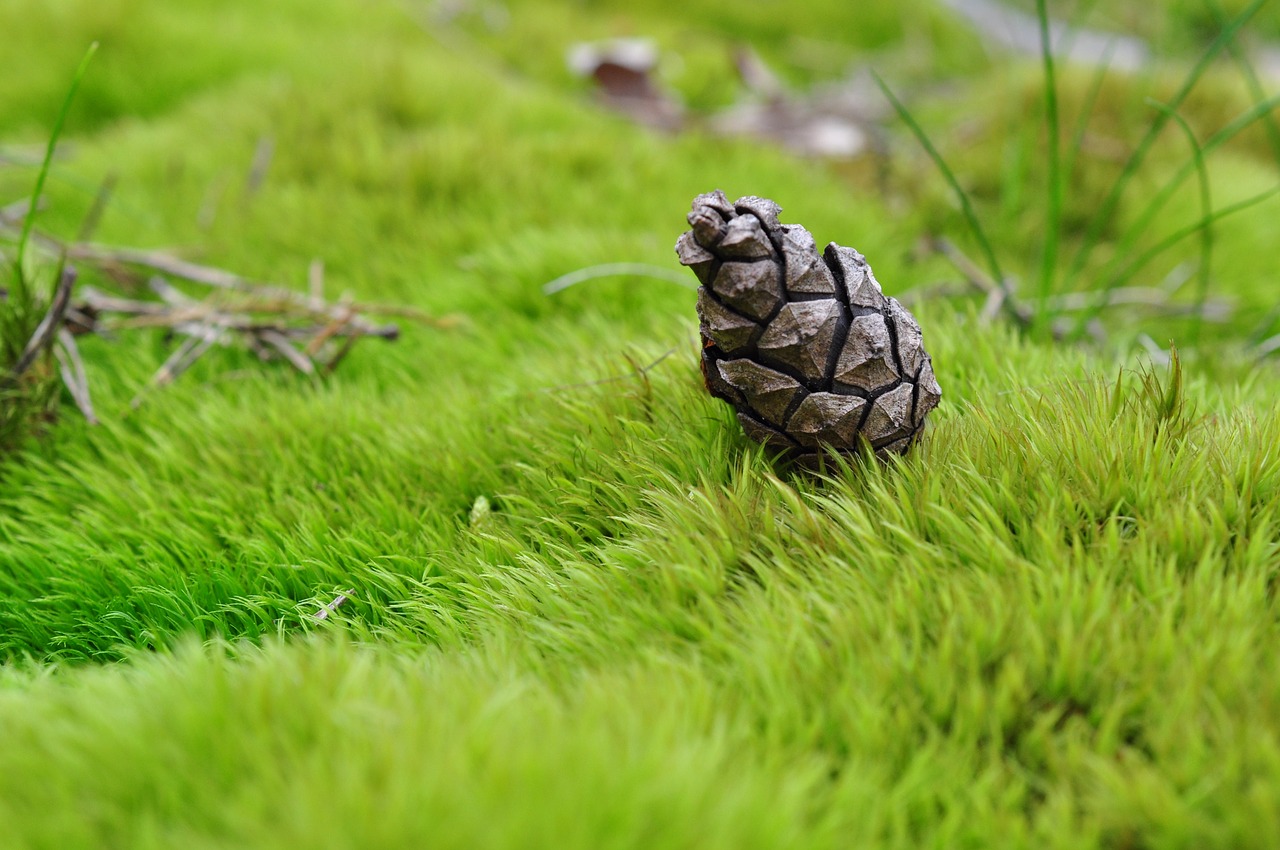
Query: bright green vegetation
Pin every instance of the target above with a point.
(1054, 625)
(28, 392)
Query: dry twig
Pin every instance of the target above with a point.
(325, 612)
(999, 293)
(71, 367)
(48, 327)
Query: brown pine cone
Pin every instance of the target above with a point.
(806, 347)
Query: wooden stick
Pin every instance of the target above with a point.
(233, 315)
(168, 293)
(347, 344)
(171, 265)
(71, 367)
(315, 283)
(281, 344)
(44, 333)
(221, 279)
(338, 602)
(334, 328)
(186, 354)
(999, 294)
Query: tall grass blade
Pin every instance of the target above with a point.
(1206, 212)
(1250, 74)
(27, 332)
(616, 270)
(1265, 327)
(1107, 209)
(1086, 112)
(30, 220)
(1053, 218)
(1067, 37)
(962, 196)
(1140, 262)
(1143, 221)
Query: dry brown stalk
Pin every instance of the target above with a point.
(281, 343)
(48, 327)
(71, 367)
(338, 602)
(1000, 295)
(179, 361)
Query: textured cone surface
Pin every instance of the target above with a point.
(802, 336)
(803, 344)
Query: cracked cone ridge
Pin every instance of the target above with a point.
(803, 344)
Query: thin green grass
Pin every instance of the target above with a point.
(37, 191)
(990, 628)
(1056, 180)
(1204, 265)
(1135, 160)
(1121, 267)
(27, 394)
(1250, 75)
(1086, 112)
(1139, 262)
(966, 205)
(1129, 240)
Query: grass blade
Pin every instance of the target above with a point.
(1086, 112)
(1250, 75)
(1264, 327)
(617, 270)
(30, 220)
(1108, 207)
(1174, 238)
(1206, 213)
(1053, 220)
(962, 196)
(1126, 243)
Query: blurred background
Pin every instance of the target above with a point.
(455, 156)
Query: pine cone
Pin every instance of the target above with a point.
(806, 347)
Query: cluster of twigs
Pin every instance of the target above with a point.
(304, 329)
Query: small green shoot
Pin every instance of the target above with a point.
(38, 189)
(1166, 399)
(28, 386)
